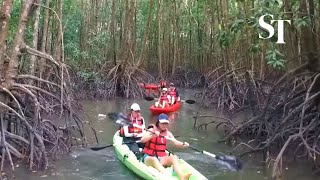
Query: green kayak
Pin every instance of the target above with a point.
(147, 172)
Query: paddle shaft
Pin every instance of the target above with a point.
(193, 148)
(135, 125)
(110, 145)
(158, 99)
(171, 139)
(189, 101)
(235, 163)
(203, 152)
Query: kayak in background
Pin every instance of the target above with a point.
(169, 109)
(149, 86)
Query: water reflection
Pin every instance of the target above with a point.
(85, 164)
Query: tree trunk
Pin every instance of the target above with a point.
(308, 43)
(35, 39)
(159, 39)
(5, 15)
(44, 37)
(12, 71)
(145, 36)
(113, 27)
(308, 37)
(176, 39)
(57, 50)
(126, 44)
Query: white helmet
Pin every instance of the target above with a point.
(135, 107)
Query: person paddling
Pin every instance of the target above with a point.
(156, 144)
(131, 133)
(164, 99)
(173, 93)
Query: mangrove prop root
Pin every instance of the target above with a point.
(25, 99)
(284, 114)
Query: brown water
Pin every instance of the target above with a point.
(85, 164)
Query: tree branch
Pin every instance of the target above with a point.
(39, 53)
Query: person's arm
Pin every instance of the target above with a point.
(143, 124)
(126, 132)
(172, 99)
(176, 142)
(147, 136)
(177, 94)
(158, 102)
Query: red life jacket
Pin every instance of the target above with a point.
(165, 99)
(156, 146)
(172, 92)
(138, 121)
(132, 129)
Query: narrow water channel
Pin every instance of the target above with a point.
(85, 164)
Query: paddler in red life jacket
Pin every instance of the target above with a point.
(132, 133)
(156, 144)
(173, 93)
(164, 99)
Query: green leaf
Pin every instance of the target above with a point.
(254, 48)
(270, 62)
(279, 53)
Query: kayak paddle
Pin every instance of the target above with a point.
(114, 115)
(230, 161)
(97, 148)
(189, 101)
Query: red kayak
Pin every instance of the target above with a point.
(158, 110)
(149, 86)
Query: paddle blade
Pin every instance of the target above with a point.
(190, 101)
(97, 148)
(113, 115)
(148, 98)
(122, 122)
(231, 161)
(116, 116)
(122, 116)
